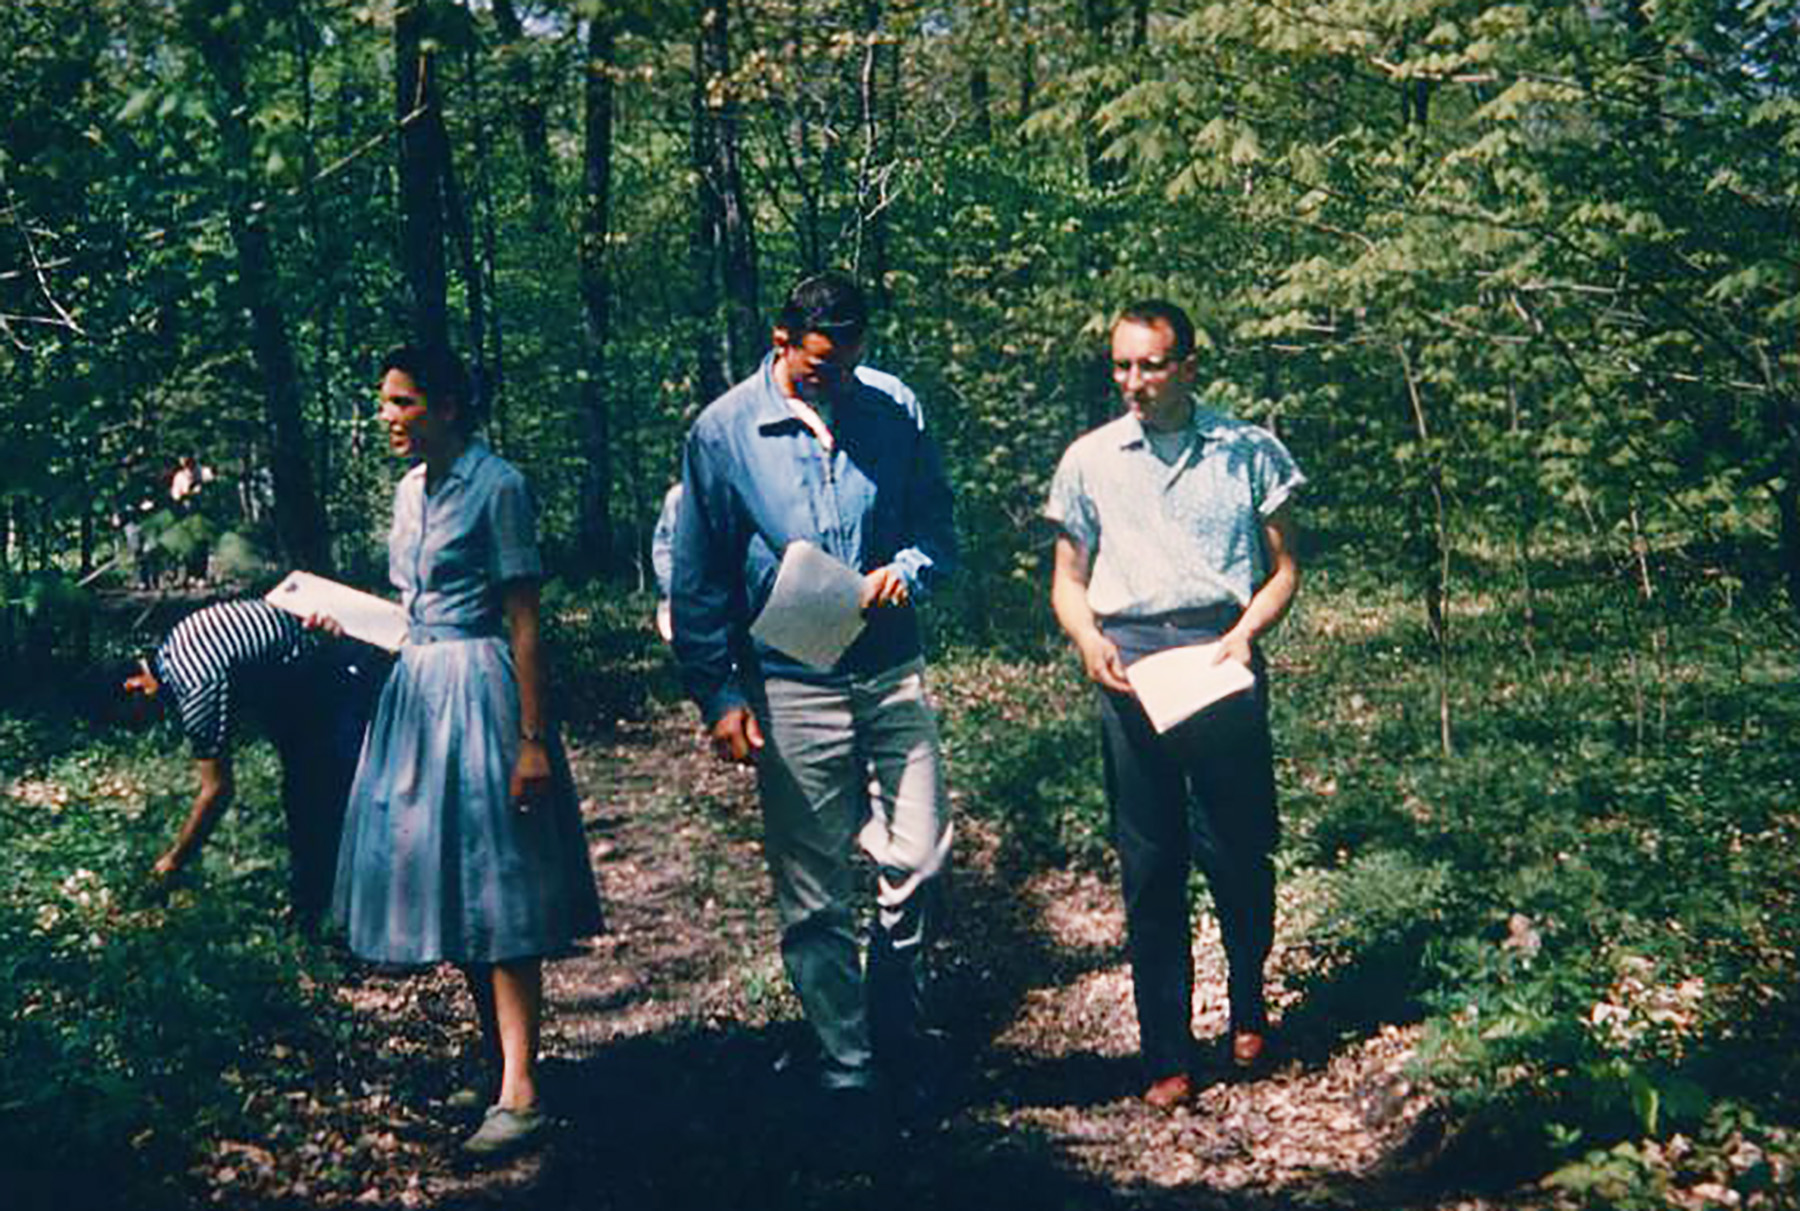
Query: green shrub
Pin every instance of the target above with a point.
(120, 1010)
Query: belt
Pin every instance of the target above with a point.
(445, 632)
(1214, 617)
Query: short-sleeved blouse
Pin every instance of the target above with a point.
(451, 549)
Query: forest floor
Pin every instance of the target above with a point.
(675, 1062)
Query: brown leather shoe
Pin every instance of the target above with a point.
(1170, 1092)
(1247, 1048)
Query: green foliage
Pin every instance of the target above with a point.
(1020, 743)
(128, 1018)
(1587, 907)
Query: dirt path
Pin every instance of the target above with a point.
(672, 1054)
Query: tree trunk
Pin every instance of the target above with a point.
(711, 377)
(1437, 564)
(723, 174)
(456, 219)
(421, 200)
(596, 484)
(300, 525)
(1099, 16)
(1787, 504)
(523, 97)
(1027, 65)
(868, 256)
(980, 88)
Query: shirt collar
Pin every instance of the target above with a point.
(1203, 423)
(774, 410)
(474, 452)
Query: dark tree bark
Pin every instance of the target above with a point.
(1027, 65)
(528, 108)
(421, 195)
(711, 374)
(456, 219)
(1099, 16)
(596, 188)
(1787, 504)
(876, 102)
(980, 92)
(300, 525)
(735, 234)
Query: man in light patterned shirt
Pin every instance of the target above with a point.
(1174, 529)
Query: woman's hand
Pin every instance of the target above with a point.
(323, 622)
(530, 783)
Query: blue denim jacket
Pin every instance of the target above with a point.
(755, 479)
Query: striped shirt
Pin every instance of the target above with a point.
(220, 652)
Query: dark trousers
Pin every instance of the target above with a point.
(317, 722)
(1203, 791)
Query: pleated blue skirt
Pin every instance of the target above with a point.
(437, 864)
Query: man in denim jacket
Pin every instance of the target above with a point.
(804, 449)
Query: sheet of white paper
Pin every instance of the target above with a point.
(363, 615)
(1173, 684)
(813, 613)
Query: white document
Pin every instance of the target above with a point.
(1173, 684)
(814, 612)
(363, 615)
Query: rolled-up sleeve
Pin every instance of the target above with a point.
(1276, 476)
(706, 584)
(931, 523)
(1069, 505)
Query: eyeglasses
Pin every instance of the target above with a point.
(1149, 367)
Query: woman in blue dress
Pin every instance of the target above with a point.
(462, 840)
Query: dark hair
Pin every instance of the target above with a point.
(1151, 312)
(440, 375)
(830, 304)
(103, 700)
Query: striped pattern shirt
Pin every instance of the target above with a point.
(218, 652)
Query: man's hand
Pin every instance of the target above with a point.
(1100, 657)
(1233, 646)
(736, 736)
(884, 587)
(167, 866)
(530, 783)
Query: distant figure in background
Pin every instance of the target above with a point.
(313, 698)
(1174, 530)
(662, 559)
(187, 480)
(137, 549)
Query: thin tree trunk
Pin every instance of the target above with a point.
(494, 362)
(534, 128)
(711, 375)
(868, 204)
(980, 92)
(300, 524)
(421, 201)
(1787, 506)
(1099, 16)
(596, 487)
(736, 229)
(1437, 592)
(1027, 66)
